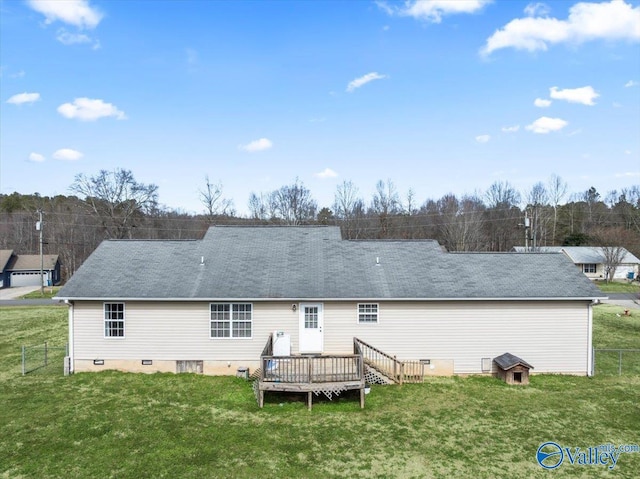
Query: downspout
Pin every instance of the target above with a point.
(590, 365)
(71, 343)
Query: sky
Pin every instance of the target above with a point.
(442, 96)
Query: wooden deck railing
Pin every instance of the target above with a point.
(336, 368)
(312, 369)
(381, 361)
(396, 370)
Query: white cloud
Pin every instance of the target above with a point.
(584, 95)
(628, 174)
(483, 138)
(88, 109)
(433, 10)
(68, 38)
(537, 10)
(631, 83)
(545, 124)
(21, 98)
(511, 129)
(542, 103)
(73, 12)
(257, 145)
(627, 152)
(67, 154)
(326, 173)
(614, 20)
(36, 157)
(363, 80)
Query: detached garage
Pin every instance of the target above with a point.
(24, 269)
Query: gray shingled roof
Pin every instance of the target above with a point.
(31, 262)
(315, 263)
(581, 254)
(593, 254)
(5, 256)
(507, 361)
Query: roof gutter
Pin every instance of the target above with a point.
(593, 299)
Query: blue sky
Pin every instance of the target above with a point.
(438, 96)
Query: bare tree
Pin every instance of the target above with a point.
(213, 201)
(349, 209)
(557, 191)
(385, 204)
(294, 204)
(115, 198)
(257, 207)
(537, 202)
(609, 241)
(502, 216)
(411, 202)
(460, 222)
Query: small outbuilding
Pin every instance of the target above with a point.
(512, 369)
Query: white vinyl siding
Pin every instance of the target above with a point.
(550, 335)
(174, 331)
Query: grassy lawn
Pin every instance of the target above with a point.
(618, 287)
(49, 292)
(123, 425)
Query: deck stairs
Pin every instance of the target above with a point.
(373, 376)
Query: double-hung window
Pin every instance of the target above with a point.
(589, 268)
(231, 320)
(368, 312)
(114, 320)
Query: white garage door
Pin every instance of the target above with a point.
(25, 279)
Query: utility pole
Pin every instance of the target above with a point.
(39, 227)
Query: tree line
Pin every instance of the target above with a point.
(114, 205)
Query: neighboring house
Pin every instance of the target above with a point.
(5, 256)
(591, 260)
(210, 305)
(24, 269)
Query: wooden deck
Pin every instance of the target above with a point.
(321, 374)
(332, 374)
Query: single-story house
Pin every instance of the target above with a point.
(211, 305)
(591, 260)
(24, 269)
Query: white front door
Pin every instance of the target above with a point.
(311, 319)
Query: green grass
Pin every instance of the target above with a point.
(612, 329)
(110, 424)
(49, 292)
(618, 287)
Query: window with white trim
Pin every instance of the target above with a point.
(231, 320)
(114, 320)
(589, 268)
(367, 312)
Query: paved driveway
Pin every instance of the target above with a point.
(15, 293)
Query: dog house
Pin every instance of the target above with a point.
(512, 369)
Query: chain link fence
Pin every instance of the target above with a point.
(41, 356)
(616, 361)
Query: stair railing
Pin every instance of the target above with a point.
(386, 364)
